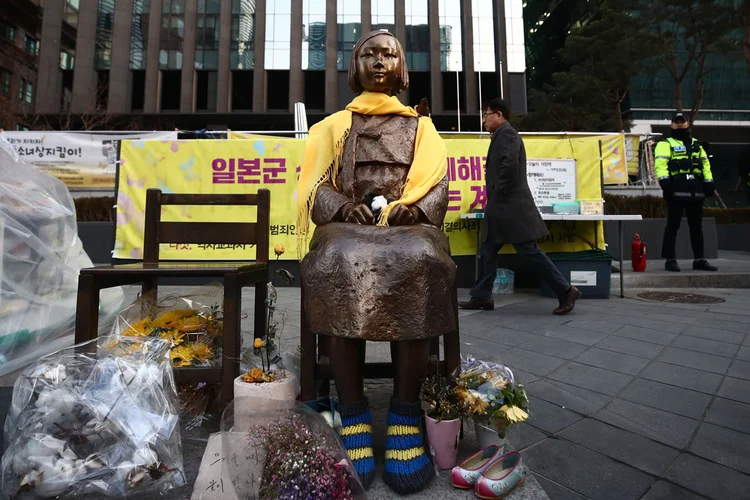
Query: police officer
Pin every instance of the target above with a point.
(684, 174)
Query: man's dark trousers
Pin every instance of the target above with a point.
(694, 211)
(529, 252)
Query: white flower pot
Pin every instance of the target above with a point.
(487, 436)
(253, 398)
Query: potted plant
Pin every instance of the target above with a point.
(491, 395)
(267, 381)
(442, 417)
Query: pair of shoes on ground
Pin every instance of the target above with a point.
(490, 473)
(567, 303)
(408, 468)
(698, 265)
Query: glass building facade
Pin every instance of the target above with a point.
(349, 24)
(417, 35)
(314, 35)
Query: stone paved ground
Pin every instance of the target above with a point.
(630, 399)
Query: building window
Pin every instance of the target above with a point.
(70, 13)
(104, 22)
(207, 34)
(172, 34)
(383, 15)
(4, 81)
(349, 20)
(417, 36)
(514, 36)
(451, 55)
(31, 45)
(26, 91)
(67, 61)
(314, 35)
(242, 50)
(483, 25)
(139, 34)
(278, 34)
(8, 31)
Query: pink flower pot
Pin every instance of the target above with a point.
(443, 439)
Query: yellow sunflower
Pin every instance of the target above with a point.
(201, 351)
(181, 356)
(166, 319)
(141, 328)
(514, 414)
(174, 336)
(191, 324)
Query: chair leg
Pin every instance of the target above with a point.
(307, 342)
(324, 385)
(452, 343)
(149, 285)
(261, 310)
(87, 309)
(230, 365)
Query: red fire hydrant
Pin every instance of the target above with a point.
(638, 253)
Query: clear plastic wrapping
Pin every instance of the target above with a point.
(288, 453)
(40, 259)
(101, 418)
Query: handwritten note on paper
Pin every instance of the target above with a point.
(214, 481)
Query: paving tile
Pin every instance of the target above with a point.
(554, 347)
(550, 417)
(586, 472)
(645, 335)
(589, 377)
(584, 337)
(630, 346)
(659, 425)
(732, 414)
(715, 333)
(688, 378)
(663, 490)
(698, 360)
(709, 479)
(595, 326)
(706, 346)
(538, 364)
(568, 396)
(523, 435)
(614, 361)
(700, 320)
(725, 446)
(740, 369)
(735, 389)
(666, 397)
(524, 377)
(556, 491)
(744, 353)
(500, 335)
(629, 448)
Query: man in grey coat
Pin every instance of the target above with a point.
(511, 216)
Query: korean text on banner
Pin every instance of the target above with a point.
(242, 166)
(79, 159)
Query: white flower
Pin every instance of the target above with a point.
(145, 456)
(42, 445)
(378, 203)
(55, 374)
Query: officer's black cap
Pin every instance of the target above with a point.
(679, 118)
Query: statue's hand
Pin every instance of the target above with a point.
(361, 214)
(402, 215)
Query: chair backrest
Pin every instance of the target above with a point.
(206, 233)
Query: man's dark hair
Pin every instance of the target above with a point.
(498, 104)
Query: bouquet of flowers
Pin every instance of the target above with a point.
(291, 454)
(102, 422)
(489, 392)
(193, 329)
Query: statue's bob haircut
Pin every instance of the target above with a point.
(402, 82)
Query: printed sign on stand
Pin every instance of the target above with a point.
(552, 181)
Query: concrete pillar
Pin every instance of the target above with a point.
(119, 72)
(401, 35)
(153, 73)
(48, 81)
(501, 50)
(332, 82)
(296, 76)
(366, 10)
(187, 84)
(84, 77)
(470, 77)
(436, 76)
(259, 72)
(225, 75)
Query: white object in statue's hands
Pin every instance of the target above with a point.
(378, 204)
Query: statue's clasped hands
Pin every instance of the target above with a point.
(401, 215)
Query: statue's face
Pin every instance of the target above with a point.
(378, 64)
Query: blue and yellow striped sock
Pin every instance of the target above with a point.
(356, 433)
(408, 468)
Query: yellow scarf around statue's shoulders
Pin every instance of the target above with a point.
(325, 143)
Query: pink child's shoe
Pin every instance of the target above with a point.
(500, 477)
(467, 472)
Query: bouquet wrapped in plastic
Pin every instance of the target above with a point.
(40, 259)
(192, 324)
(290, 453)
(490, 393)
(97, 418)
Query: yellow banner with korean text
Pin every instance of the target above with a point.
(244, 166)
